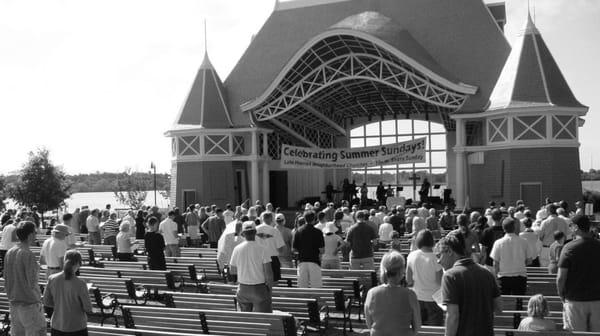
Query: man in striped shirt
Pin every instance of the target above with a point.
(110, 229)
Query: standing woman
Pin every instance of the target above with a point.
(68, 296)
(140, 229)
(383, 314)
(154, 243)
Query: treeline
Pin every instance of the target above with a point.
(100, 182)
(591, 175)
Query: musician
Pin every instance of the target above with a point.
(424, 192)
(329, 192)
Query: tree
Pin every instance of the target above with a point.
(3, 193)
(131, 189)
(40, 183)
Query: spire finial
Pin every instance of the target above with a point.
(205, 39)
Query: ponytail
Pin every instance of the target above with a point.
(72, 259)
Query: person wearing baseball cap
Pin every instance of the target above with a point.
(285, 254)
(252, 264)
(54, 249)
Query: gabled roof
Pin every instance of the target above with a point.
(205, 105)
(531, 77)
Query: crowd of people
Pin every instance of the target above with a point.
(457, 266)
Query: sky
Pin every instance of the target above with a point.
(98, 82)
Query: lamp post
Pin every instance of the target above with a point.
(153, 167)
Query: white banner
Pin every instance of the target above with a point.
(412, 151)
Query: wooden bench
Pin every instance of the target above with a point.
(367, 278)
(186, 271)
(199, 252)
(94, 330)
(155, 280)
(440, 331)
(208, 321)
(351, 287)
(205, 266)
(4, 313)
(310, 311)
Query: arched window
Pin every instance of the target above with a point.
(392, 131)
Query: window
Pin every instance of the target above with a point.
(392, 131)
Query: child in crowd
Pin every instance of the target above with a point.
(555, 249)
(537, 309)
(395, 244)
(154, 244)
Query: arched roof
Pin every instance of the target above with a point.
(460, 36)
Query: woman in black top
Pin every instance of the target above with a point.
(154, 244)
(140, 229)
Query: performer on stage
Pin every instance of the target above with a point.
(380, 193)
(329, 192)
(424, 192)
(389, 192)
(346, 190)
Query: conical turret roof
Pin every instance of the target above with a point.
(205, 104)
(531, 77)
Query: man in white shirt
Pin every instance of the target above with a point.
(550, 225)
(92, 223)
(54, 249)
(251, 262)
(228, 214)
(347, 221)
(168, 229)
(322, 221)
(9, 239)
(511, 255)
(270, 238)
(561, 212)
(423, 211)
(385, 230)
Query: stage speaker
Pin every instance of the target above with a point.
(399, 189)
(447, 194)
(436, 186)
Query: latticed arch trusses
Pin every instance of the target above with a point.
(352, 62)
(360, 67)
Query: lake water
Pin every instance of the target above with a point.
(99, 200)
(591, 185)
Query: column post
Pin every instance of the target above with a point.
(461, 165)
(254, 188)
(265, 170)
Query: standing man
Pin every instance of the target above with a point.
(285, 254)
(192, 224)
(252, 264)
(511, 255)
(168, 229)
(469, 291)
(53, 250)
(21, 285)
(550, 225)
(93, 227)
(228, 214)
(309, 243)
(214, 227)
(360, 238)
(110, 229)
(9, 239)
(271, 240)
(181, 227)
(578, 278)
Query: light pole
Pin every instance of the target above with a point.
(152, 166)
